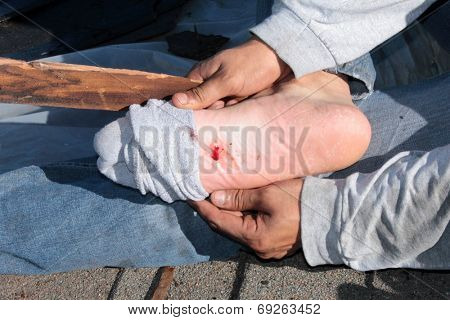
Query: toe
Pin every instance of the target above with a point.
(109, 142)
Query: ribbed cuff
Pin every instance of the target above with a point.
(294, 42)
(321, 221)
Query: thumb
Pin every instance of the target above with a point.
(210, 91)
(238, 200)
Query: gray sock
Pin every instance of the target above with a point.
(153, 149)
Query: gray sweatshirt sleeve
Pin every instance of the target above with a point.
(397, 216)
(312, 35)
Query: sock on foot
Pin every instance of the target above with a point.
(153, 149)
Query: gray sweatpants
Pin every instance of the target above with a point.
(392, 208)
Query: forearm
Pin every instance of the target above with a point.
(321, 34)
(397, 216)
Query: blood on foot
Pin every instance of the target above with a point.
(215, 152)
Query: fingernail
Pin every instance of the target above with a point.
(219, 198)
(182, 98)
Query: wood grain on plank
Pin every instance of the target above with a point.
(83, 87)
(164, 284)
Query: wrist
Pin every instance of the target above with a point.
(275, 65)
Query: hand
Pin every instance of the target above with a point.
(272, 229)
(234, 74)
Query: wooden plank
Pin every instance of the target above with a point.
(83, 87)
(164, 284)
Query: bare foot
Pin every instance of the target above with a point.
(302, 127)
